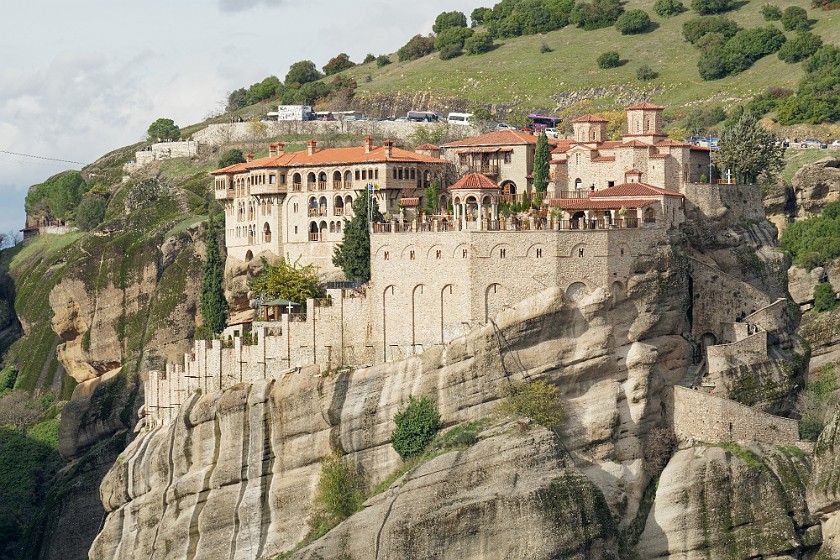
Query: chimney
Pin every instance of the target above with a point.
(249, 158)
(368, 144)
(310, 147)
(272, 150)
(281, 148)
(389, 148)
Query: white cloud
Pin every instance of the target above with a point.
(243, 5)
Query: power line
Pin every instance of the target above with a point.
(41, 157)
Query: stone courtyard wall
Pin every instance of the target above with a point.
(729, 205)
(700, 416)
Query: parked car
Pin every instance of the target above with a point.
(697, 140)
(552, 132)
(836, 144)
(811, 143)
(504, 126)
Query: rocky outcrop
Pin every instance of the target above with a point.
(513, 495)
(737, 501)
(824, 486)
(237, 472)
(815, 186)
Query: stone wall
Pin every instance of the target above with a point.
(719, 298)
(729, 205)
(700, 416)
(747, 352)
(161, 151)
(218, 134)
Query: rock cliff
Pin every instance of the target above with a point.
(824, 486)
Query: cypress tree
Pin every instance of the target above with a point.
(353, 254)
(213, 302)
(542, 156)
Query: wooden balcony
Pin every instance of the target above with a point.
(574, 193)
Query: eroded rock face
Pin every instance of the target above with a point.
(713, 503)
(816, 185)
(235, 476)
(824, 486)
(513, 495)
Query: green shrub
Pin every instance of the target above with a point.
(514, 18)
(817, 98)
(340, 493)
(46, 432)
(668, 8)
(705, 7)
(815, 241)
(537, 400)
(740, 52)
(479, 43)
(544, 48)
(383, 60)
(56, 197)
(416, 47)
(795, 18)
(825, 299)
(771, 12)
(596, 14)
(8, 376)
(645, 73)
(369, 58)
(449, 20)
(417, 425)
(231, 157)
(696, 28)
(90, 212)
(452, 36)
(609, 59)
(450, 51)
(810, 429)
(632, 22)
(800, 47)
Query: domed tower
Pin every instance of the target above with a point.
(644, 123)
(590, 129)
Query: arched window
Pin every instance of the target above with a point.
(322, 231)
(338, 206)
(267, 233)
(310, 181)
(332, 227)
(313, 231)
(348, 178)
(650, 216)
(578, 184)
(322, 206)
(296, 182)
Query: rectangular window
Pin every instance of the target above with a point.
(463, 159)
(438, 254)
(610, 183)
(539, 253)
(376, 174)
(508, 157)
(411, 255)
(412, 174)
(364, 174)
(502, 253)
(464, 253)
(357, 175)
(395, 173)
(272, 179)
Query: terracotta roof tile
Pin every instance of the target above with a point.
(645, 105)
(675, 143)
(331, 156)
(633, 172)
(637, 144)
(495, 138)
(604, 158)
(633, 189)
(427, 147)
(590, 118)
(474, 181)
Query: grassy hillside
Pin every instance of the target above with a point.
(518, 73)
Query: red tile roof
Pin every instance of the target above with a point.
(609, 144)
(331, 156)
(633, 189)
(604, 158)
(633, 172)
(590, 118)
(474, 181)
(675, 143)
(645, 105)
(594, 204)
(495, 138)
(409, 202)
(637, 144)
(701, 148)
(427, 147)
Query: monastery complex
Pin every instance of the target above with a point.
(434, 278)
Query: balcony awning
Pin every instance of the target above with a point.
(409, 202)
(485, 150)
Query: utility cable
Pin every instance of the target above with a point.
(41, 157)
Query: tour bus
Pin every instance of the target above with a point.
(423, 116)
(538, 123)
(459, 118)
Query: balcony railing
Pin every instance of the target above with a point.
(337, 185)
(313, 236)
(512, 224)
(322, 185)
(297, 187)
(575, 193)
(338, 212)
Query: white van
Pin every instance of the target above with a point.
(459, 118)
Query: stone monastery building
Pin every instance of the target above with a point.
(294, 204)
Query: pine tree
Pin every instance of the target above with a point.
(432, 202)
(213, 303)
(542, 156)
(748, 149)
(353, 254)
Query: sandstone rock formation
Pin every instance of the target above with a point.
(743, 501)
(816, 185)
(513, 495)
(824, 486)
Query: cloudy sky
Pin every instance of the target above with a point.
(82, 78)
